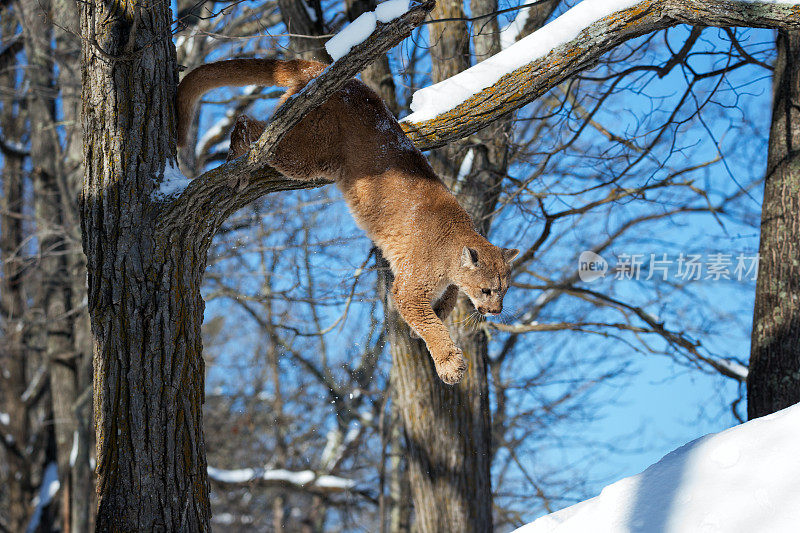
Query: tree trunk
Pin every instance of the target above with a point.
(81, 474)
(144, 279)
(447, 433)
(55, 174)
(448, 429)
(15, 475)
(299, 23)
(773, 381)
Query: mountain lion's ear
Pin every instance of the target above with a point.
(469, 257)
(509, 254)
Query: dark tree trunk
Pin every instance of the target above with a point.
(447, 433)
(299, 23)
(15, 475)
(56, 173)
(773, 381)
(144, 279)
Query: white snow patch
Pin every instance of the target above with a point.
(333, 482)
(357, 31)
(351, 35)
(734, 367)
(5, 419)
(241, 475)
(388, 11)
(15, 146)
(73, 454)
(300, 478)
(172, 183)
(466, 165)
(741, 480)
(47, 490)
(228, 518)
(310, 11)
(303, 477)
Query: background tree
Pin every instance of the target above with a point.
(773, 382)
(49, 347)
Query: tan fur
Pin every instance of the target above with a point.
(393, 194)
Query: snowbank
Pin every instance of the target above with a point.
(742, 480)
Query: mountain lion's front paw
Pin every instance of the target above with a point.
(451, 367)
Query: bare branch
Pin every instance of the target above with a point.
(531, 81)
(266, 477)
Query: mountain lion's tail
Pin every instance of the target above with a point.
(294, 74)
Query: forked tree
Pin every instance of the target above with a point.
(146, 253)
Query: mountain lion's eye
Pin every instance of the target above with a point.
(486, 291)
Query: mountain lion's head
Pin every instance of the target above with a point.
(483, 276)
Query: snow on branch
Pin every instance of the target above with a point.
(265, 477)
(472, 99)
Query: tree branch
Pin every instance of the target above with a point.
(265, 477)
(531, 81)
(212, 193)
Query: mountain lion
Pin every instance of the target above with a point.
(393, 194)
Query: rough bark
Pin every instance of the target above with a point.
(773, 382)
(447, 450)
(531, 81)
(144, 280)
(448, 430)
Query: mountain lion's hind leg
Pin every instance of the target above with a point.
(246, 131)
(414, 305)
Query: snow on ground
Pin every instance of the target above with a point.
(743, 480)
(173, 182)
(357, 31)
